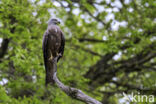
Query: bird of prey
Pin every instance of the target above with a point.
(53, 46)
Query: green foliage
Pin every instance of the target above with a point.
(24, 22)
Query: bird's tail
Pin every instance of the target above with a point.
(49, 73)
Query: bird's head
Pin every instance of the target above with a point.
(53, 21)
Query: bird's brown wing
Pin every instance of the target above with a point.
(46, 54)
(61, 49)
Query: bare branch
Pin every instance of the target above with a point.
(72, 92)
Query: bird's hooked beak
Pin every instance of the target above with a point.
(58, 22)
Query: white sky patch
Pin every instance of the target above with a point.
(76, 4)
(116, 24)
(154, 20)
(140, 30)
(95, 13)
(116, 57)
(82, 16)
(117, 4)
(100, 26)
(34, 78)
(115, 10)
(122, 42)
(147, 75)
(65, 3)
(87, 18)
(57, 4)
(152, 60)
(153, 38)
(108, 1)
(108, 10)
(104, 38)
(0, 41)
(127, 1)
(123, 23)
(100, 8)
(146, 4)
(130, 9)
(109, 17)
(34, 13)
(91, 33)
(76, 11)
(99, 1)
(67, 9)
(79, 23)
(114, 78)
(4, 81)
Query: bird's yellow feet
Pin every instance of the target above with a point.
(50, 58)
(59, 54)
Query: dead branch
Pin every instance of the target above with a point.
(72, 92)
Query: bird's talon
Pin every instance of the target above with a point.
(51, 58)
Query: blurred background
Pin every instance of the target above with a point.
(110, 49)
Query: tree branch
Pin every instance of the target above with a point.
(88, 50)
(72, 92)
(91, 40)
(3, 48)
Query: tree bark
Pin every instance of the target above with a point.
(72, 92)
